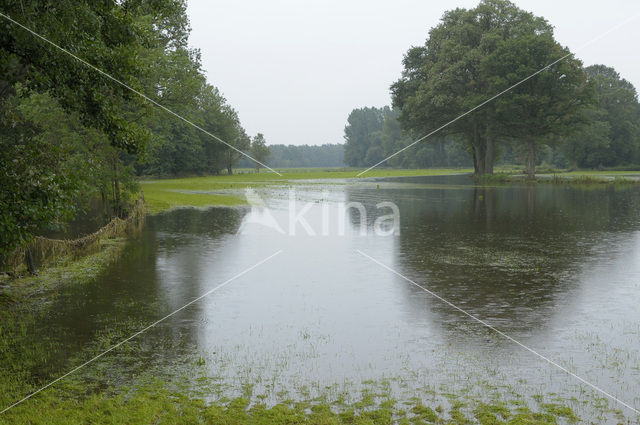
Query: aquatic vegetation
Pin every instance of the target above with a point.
(157, 403)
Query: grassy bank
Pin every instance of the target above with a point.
(165, 194)
(68, 260)
(64, 270)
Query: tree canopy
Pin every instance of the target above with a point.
(610, 133)
(259, 150)
(69, 132)
(475, 54)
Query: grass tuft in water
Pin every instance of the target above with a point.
(156, 404)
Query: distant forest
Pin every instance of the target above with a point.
(302, 156)
(372, 134)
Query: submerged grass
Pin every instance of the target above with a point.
(156, 403)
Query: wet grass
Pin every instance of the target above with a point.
(574, 178)
(161, 197)
(63, 270)
(24, 304)
(160, 403)
(497, 178)
(223, 190)
(587, 177)
(601, 173)
(164, 194)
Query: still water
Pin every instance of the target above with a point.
(555, 267)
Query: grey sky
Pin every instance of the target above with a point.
(294, 69)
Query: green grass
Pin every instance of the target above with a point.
(160, 197)
(591, 177)
(601, 173)
(594, 174)
(155, 404)
(164, 194)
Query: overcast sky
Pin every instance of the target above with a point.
(294, 69)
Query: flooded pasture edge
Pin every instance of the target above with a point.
(556, 267)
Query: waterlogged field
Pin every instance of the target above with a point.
(227, 189)
(323, 333)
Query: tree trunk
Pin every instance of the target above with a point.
(103, 198)
(475, 161)
(531, 160)
(229, 162)
(117, 190)
(480, 159)
(488, 160)
(30, 264)
(116, 186)
(479, 151)
(441, 157)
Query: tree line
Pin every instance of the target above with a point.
(302, 156)
(373, 134)
(69, 133)
(568, 114)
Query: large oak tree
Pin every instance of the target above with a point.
(474, 54)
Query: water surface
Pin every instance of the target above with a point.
(555, 267)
